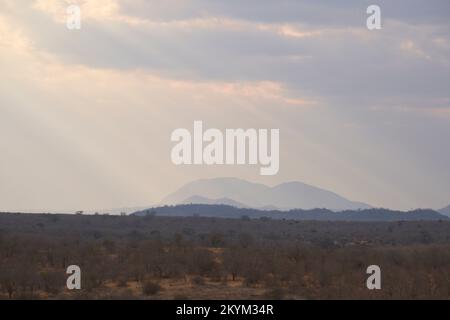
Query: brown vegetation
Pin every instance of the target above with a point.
(207, 258)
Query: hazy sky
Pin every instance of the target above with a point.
(86, 115)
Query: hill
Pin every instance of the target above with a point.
(445, 211)
(285, 196)
(225, 211)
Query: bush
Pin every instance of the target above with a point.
(151, 288)
(275, 294)
(198, 281)
(180, 297)
(122, 282)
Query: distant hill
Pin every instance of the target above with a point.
(445, 211)
(225, 201)
(225, 211)
(285, 196)
(204, 200)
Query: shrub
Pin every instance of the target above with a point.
(275, 294)
(198, 281)
(151, 288)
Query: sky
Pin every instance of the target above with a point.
(86, 115)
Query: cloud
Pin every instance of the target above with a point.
(223, 42)
(96, 10)
(364, 113)
(13, 39)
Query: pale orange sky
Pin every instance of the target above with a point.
(86, 115)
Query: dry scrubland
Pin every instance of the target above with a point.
(209, 258)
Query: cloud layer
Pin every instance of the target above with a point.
(87, 115)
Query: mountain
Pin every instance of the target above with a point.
(285, 196)
(203, 200)
(224, 201)
(445, 211)
(225, 211)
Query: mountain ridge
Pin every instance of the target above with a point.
(203, 200)
(285, 196)
(226, 211)
(445, 211)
